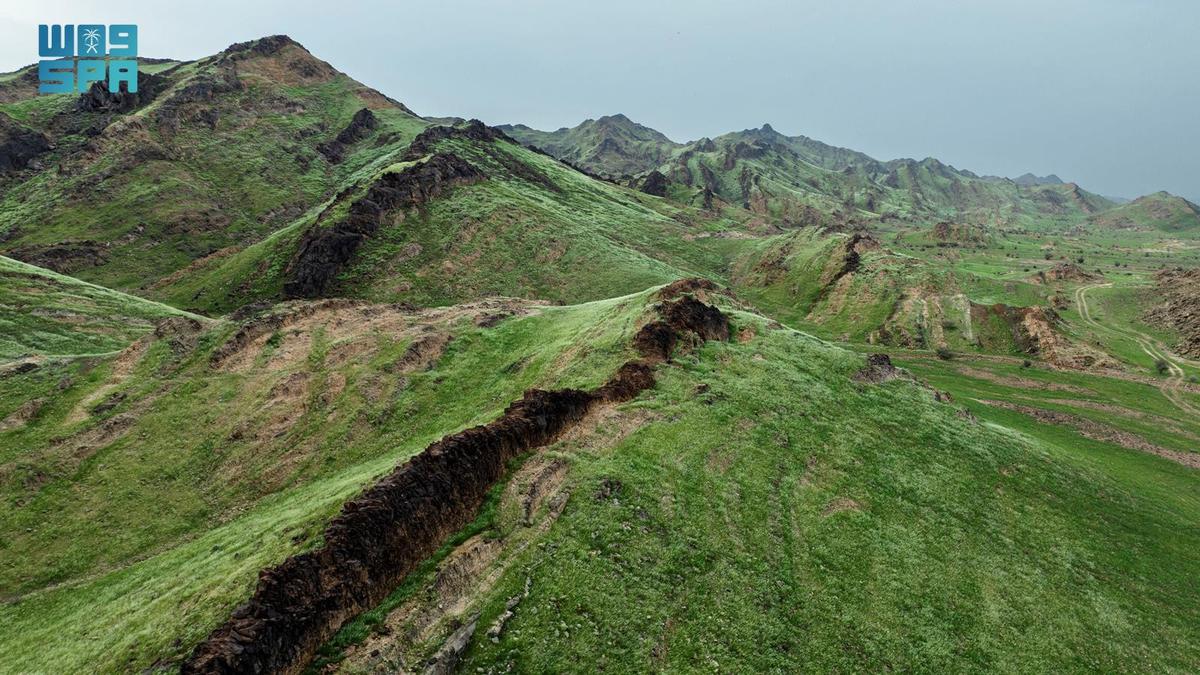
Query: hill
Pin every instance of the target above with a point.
(1159, 211)
(467, 407)
(49, 314)
(612, 145)
(465, 212)
(208, 156)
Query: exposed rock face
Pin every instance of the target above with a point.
(1035, 330)
(879, 369)
(384, 533)
(326, 249)
(99, 99)
(19, 145)
(473, 130)
(361, 126)
(1063, 272)
(1179, 308)
(191, 101)
(654, 183)
(64, 257)
(957, 233)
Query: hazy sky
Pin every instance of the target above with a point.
(1103, 92)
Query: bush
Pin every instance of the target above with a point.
(1027, 363)
(1162, 367)
(944, 354)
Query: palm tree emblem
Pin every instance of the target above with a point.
(91, 40)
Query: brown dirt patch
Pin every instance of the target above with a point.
(840, 504)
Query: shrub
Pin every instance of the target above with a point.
(1162, 367)
(944, 354)
(1027, 363)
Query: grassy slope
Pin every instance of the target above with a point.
(1159, 211)
(154, 537)
(965, 546)
(583, 240)
(48, 314)
(731, 545)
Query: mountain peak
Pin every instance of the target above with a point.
(264, 46)
(1030, 179)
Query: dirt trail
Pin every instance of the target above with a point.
(1174, 385)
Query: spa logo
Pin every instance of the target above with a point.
(73, 57)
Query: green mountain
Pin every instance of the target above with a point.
(796, 178)
(209, 156)
(613, 145)
(1160, 211)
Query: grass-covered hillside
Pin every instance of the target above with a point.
(292, 378)
(612, 145)
(466, 212)
(1160, 211)
(207, 157)
(44, 313)
(765, 506)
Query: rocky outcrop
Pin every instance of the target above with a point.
(879, 369)
(98, 99)
(425, 143)
(384, 533)
(192, 100)
(1063, 272)
(1178, 307)
(325, 248)
(654, 183)
(19, 145)
(360, 126)
(63, 257)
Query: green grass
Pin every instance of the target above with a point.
(50, 314)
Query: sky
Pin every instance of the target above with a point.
(1105, 93)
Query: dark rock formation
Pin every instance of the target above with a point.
(63, 257)
(361, 126)
(474, 130)
(192, 100)
(325, 249)
(19, 145)
(879, 369)
(654, 183)
(98, 99)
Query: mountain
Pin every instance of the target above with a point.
(1159, 211)
(612, 145)
(1029, 180)
(794, 178)
(207, 157)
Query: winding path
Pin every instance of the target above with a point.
(1172, 388)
